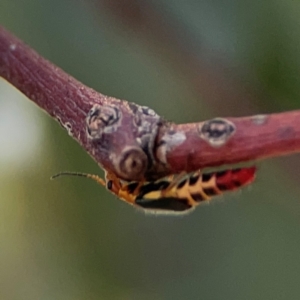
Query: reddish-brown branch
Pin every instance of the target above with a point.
(133, 141)
(256, 137)
(60, 95)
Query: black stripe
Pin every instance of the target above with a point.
(206, 177)
(167, 204)
(181, 184)
(193, 179)
(222, 187)
(237, 183)
(152, 187)
(209, 191)
(197, 197)
(131, 187)
(221, 173)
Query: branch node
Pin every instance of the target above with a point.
(216, 131)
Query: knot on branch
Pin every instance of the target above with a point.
(147, 122)
(216, 131)
(127, 134)
(102, 119)
(132, 163)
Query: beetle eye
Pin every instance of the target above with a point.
(109, 184)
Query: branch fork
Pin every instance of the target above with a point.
(133, 141)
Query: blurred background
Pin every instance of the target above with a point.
(190, 61)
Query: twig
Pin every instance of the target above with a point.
(133, 141)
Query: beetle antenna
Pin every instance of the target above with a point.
(86, 175)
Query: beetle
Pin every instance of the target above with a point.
(175, 194)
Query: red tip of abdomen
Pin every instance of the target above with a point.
(235, 178)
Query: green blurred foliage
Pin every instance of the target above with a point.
(70, 239)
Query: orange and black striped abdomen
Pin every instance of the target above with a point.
(151, 198)
(165, 196)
